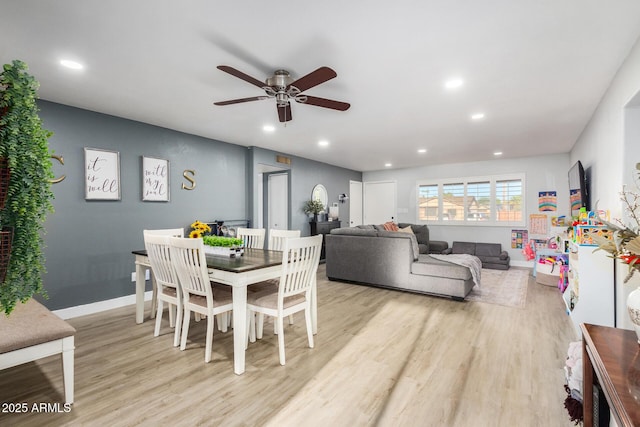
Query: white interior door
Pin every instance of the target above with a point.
(379, 202)
(278, 201)
(355, 203)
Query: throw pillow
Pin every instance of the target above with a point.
(407, 229)
(390, 226)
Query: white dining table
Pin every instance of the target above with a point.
(256, 265)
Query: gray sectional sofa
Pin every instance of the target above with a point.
(491, 254)
(392, 259)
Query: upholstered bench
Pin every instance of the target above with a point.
(32, 332)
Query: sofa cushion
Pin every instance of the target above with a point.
(406, 230)
(420, 230)
(488, 249)
(366, 227)
(353, 231)
(428, 266)
(401, 235)
(463, 248)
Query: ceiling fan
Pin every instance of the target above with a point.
(283, 88)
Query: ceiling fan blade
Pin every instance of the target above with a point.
(284, 113)
(241, 75)
(326, 103)
(237, 101)
(314, 78)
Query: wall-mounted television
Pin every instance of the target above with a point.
(578, 189)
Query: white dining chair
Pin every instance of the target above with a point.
(253, 237)
(199, 296)
(175, 232)
(300, 259)
(277, 238)
(276, 243)
(157, 246)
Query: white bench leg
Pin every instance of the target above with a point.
(68, 368)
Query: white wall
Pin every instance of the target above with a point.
(543, 173)
(601, 146)
(609, 148)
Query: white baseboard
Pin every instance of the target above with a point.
(528, 264)
(96, 307)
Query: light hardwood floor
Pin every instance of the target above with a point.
(382, 358)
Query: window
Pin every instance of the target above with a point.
(494, 200)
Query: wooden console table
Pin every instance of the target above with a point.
(611, 357)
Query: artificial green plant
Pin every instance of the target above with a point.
(24, 143)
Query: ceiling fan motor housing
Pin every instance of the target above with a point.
(280, 80)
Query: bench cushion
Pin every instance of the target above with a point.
(31, 324)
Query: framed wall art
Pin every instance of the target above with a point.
(102, 174)
(155, 179)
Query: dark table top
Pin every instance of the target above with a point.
(616, 360)
(252, 259)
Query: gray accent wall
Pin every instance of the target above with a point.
(304, 175)
(89, 243)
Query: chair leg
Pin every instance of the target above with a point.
(223, 323)
(185, 328)
(252, 326)
(307, 318)
(172, 320)
(154, 294)
(210, 325)
(176, 333)
(156, 331)
(260, 326)
(280, 321)
(250, 314)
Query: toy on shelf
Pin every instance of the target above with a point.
(588, 225)
(529, 251)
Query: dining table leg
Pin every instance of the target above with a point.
(239, 327)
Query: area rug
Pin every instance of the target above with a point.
(502, 287)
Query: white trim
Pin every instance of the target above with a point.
(97, 307)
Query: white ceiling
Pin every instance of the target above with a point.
(536, 68)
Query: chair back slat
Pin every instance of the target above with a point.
(253, 237)
(278, 237)
(191, 266)
(300, 259)
(157, 246)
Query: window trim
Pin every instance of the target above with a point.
(493, 180)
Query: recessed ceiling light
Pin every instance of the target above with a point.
(422, 150)
(477, 116)
(497, 153)
(268, 128)
(323, 143)
(453, 83)
(387, 165)
(71, 64)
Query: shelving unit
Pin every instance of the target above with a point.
(590, 296)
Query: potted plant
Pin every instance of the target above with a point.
(24, 144)
(226, 246)
(313, 207)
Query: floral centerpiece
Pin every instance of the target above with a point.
(199, 229)
(625, 244)
(216, 245)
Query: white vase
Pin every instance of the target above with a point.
(633, 306)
